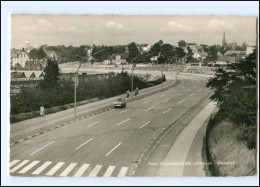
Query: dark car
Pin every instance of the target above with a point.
(120, 103)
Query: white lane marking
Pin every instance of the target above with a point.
(41, 168)
(55, 168)
(113, 149)
(182, 101)
(123, 122)
(167, 110)
(166, 100)
(95, 171)
(162, 95)
(13, 163)
(149, 109)
(30, 166)
(199, 90)
(109, 171)
(19, 166)
(42, 148)
(67, 171)
(123, 172)
(123, 111)
(147, 101)
(93, 123)
(191, 95)
(81, 170)
(84, 143)
(144, 124)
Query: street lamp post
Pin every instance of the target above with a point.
(75, 85)
(132, 79)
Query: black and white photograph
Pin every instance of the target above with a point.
(119, 96)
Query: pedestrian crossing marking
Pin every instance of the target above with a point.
(68, 170)
(55, 168)
(95, 171)
(109, 171)
(19, 166)
(41, 168)
(81, 170)
(38, 168)
(123, 172)
(30, 166)
(14, 162)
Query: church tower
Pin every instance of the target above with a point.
(224, 43)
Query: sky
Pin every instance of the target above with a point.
(79, 30)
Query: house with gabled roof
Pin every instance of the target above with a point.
(119, 58)
(200, 55)
(19, 56)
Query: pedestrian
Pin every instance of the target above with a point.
(136, 91)
(42, 111)
(127, 94)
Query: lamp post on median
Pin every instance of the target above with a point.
(76, 83)
(132, 77)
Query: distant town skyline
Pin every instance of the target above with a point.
(79, 30)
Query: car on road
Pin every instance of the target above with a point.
(120, 103)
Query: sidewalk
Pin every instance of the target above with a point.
(185, 156)
(20, 130)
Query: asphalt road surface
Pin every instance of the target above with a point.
(112, 143)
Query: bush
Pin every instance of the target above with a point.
(30, 99)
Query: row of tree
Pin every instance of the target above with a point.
(235, 90)
(55, 92)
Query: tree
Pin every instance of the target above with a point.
(190, 54)
(156, 48)
(179, 52)
(167, 51)
(40, 54)
(133, 51)
(51, 76)
(235, 92)
(212, 54)
(181, 43)
(244, 45)
(32, 54)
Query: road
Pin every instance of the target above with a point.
(112, 143)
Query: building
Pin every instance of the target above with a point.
(219, 54)
(185, 49)
(83, 76)
(196, 48)
(27, 76)
(19, 57)
(145, 47)
(225, 45)
(232, 45)
(200, 55)
(234, 53)
(249, 49)
(107, 62)
(51, 54)
(17, 76)
(224, 60)
(119, 58)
